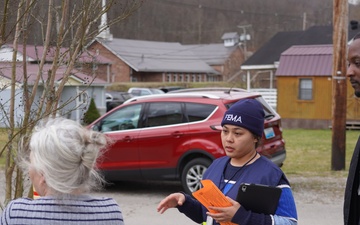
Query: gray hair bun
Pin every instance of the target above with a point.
(66, 154)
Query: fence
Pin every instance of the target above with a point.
(270, 95)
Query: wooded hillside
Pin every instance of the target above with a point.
(205, 21)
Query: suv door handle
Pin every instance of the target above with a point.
(127, 139)
(177, 134)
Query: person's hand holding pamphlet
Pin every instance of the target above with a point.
(210, 195)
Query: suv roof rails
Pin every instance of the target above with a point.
(224, 89)
(185, 94)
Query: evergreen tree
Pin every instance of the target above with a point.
(92, 113)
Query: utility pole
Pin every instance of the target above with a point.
(340, 38)
(304, 21)
(245, 38)
(200, 22)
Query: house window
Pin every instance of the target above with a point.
(305, 89)
(205, 78)
(168, 77)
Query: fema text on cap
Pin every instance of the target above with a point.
(232, 117)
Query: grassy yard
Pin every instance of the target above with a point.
(3, 140)
(308, 151)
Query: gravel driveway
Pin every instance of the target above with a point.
(319, 200)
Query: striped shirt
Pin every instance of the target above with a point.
(81, 209)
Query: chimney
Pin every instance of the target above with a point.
(105, 30)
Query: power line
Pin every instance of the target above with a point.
(218, 8)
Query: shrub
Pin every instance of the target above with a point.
(91, 114)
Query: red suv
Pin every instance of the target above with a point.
(176, 136)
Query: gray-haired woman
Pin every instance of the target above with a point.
(61, 166)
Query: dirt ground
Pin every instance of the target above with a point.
(319, 200)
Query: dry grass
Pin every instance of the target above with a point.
(309, 152)
(3, 141)
(308, 165)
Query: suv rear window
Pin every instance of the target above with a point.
(197, 112)
(167, 113)
(164, 113)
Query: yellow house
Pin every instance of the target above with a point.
(304, 88)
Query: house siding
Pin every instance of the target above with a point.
(315, 114)
(232, 64)
(119, 70)
(295, 113)
(99, 72)
(147, 77)
(315, 62)
(352, 105)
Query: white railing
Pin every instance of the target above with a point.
(270, 95)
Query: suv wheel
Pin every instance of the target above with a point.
(193, 173)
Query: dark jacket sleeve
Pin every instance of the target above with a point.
(351, 208)
(244, 216)
(192, 209)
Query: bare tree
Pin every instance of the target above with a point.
(66, 25)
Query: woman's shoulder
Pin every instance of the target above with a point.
(100, 200)
(20, 205)
(264, 170)
(22, 201)
(219, 162)
(40, 211)
(61, 200)
(216, 166)
(264, 161)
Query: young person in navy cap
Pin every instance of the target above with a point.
(243, 126)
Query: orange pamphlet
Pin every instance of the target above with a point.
(210, 195)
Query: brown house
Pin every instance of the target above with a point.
(304, 88)
(151, 61)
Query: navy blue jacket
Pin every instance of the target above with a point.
(262, 171)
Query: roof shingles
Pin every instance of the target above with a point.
(152, 56)
(309, 60)
(270, 52)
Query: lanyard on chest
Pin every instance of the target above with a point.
(224, 188)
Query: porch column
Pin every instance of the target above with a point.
(248, 80)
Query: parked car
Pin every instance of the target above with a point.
(135, 91)
(167, 89)
(116, 98)
(176, 136)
